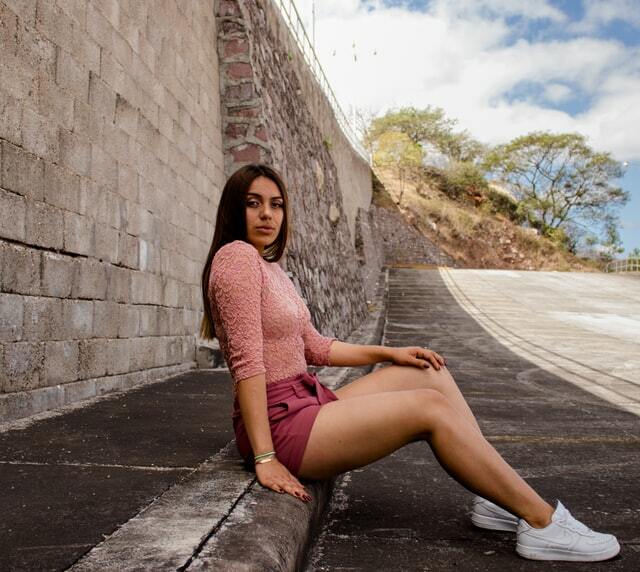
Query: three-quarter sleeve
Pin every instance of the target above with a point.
(235, 287)
(316, 346)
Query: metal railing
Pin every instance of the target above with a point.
(626, 265)
(294, 22)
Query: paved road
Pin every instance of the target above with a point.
(568, 341)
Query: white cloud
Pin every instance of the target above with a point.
(557, 92)
(597, 12)
(460, 55)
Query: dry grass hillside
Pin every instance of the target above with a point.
(469, 232)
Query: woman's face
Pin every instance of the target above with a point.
(264, 208)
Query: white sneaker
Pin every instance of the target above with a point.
(486, 514)
(565, 538)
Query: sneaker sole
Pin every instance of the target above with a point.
(567, 555)
(493, 523)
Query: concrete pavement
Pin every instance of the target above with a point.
(405, 513)
(149, 479)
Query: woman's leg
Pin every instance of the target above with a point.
(403, 377)
(351, 433)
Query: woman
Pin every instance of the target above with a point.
(288, 425)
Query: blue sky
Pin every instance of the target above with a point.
(502, 68)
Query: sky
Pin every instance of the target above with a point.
(501, 68)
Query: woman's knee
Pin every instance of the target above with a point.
(432, 407)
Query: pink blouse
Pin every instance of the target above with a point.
(261, 321)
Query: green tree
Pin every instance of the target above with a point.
(635, 253)
(612, 243)
(426, 127)
(559, 180)
(396, 150)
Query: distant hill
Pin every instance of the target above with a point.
(476, 229)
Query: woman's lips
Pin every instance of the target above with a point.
(264, 229)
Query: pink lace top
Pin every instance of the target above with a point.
(261, 321)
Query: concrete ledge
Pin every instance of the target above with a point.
(219, 517)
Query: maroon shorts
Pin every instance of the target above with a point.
(292, 405)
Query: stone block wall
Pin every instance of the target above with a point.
(111, 165)
(273, 110)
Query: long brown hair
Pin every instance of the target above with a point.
(231, 224)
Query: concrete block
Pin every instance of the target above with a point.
(75, 9)
(60, 362)
(107, 241)
(127, 115)
(86, 122)
(102, 98)
(40, 135)
(164, 321)
(11, 317)
(148, 320)
(106, 319)
(10, 118)
(72, 75)
(92, 358)
(57, 274)
(170, 294)
(86, 50)
(175, 321)
(129, 321)
(128, 250)
(13, 216)
(93, 200)
(99, 28)
(20, 269)
(109, 384)
(140, 222)
(114, 75)
(188, 349)
(90, 281)
(22, 172)
(161, 348)
(23, 364)
(44, 225)
(42, 318)
(118, 352)
(24, 9)
(77, 316)
(118, 284)
(115, 210)
(75, 152)
(54, 102)
(139, 354)
(62, 188)
(117, 141)
(103, 167)
(54, 24)
(79, 234)
(174, 350)
(128, 183)
(79, 390)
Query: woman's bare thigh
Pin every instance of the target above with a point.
(351, 433)
(398, 378)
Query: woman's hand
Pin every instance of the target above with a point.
(275, 476)
(417, 357)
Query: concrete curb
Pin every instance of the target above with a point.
(219, 517)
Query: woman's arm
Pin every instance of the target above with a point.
(351, 355)
(252, 398)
